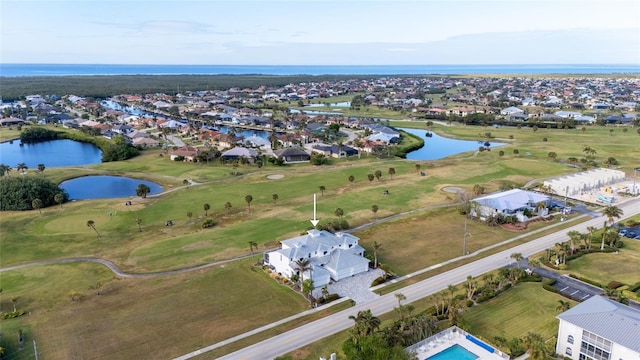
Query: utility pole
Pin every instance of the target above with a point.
(464, 241)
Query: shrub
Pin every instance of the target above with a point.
(377, 281)
(588, 281)
(12, 314)
(548, 285)
(209, 223)
(469, 303)
(614, 284)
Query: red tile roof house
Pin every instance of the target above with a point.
(188, 152)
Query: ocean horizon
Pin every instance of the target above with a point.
(33, 70)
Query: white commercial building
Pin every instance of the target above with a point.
(505, 203)
(599, 329)
(576, 184)
(331, 256)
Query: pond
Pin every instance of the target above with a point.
(105, 187)
(50, 153)
(438, 147)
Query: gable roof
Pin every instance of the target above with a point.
(611, 320)
(240, 152)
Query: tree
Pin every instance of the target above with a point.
(37, 204)
(4, 169)
(322, 189)
(365, 324)
(41, 168)
(186, 183)
(471, 285)
(351, 179)
(339, 212)
(248, 199)
(375, 209)
(59, 199)
(275, 198)
(378, 174)
(206, 208)
(92, 225)
(22, 168)
(142, 190)
(303, 266)
(227, 206)
(417, 167)
(552, 155)
(376, 249)
(574, 239)
(252, 245)
(139, 223)
(517, 257)
(371, 177)
(189, 215)
(307, 288)
(478, 189)
(391, 172)
(535, 346)
(563, 306)
(611, 161)
(612, 212)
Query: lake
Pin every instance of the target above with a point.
(105, 187)
(438, 147)
(50, 153)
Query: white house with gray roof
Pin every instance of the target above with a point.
(600, 329)
(511, 202)
(331, 256)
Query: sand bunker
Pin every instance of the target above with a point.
(275, 176)
(452, 189)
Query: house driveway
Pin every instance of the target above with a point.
(355, 287)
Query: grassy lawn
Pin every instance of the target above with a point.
(603, 268)
(130, 318)
(505, 315)
(205, 306)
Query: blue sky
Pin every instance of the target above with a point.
(320, 32)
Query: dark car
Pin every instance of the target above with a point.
(630, 234)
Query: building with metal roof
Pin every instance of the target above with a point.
(600, 329)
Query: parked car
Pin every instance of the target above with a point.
(630, 234)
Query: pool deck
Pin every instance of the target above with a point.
(449, 337)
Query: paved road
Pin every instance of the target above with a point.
(306, 334)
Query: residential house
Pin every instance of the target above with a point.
(599, 328)
(189, 153)
(240, 153)
(292, 155)
(145, 142)
(334, 150)
(331, 257)
(10, 121)
(511, 110)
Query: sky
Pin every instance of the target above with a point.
(320, 32)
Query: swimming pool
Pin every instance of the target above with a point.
(455, 352)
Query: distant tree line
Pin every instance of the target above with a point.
(99, 87)
(37, 134)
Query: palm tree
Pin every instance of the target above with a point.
(371, 177)
(322, 189)
(376, 248)
(189, 215)
(351, 179)
(517, 257)
(206, 208)
(375, 209)
(142, 190)
(41, 168)
(248, 199)
(391, 172)
(252, 245)
(4, 169)
(139, 223)
(378, 174)
(365, 324)
(22, 167)
(535, 346)
(563, 306)
(59, 199)
(227, 206)
(303, 266)
(275, 198)
(540, 207)
(339, 212)
(587, 239)
(37, 204)
(574, 239)
(92, 224)
(612, 212)
(478, 189)
(417, 167)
